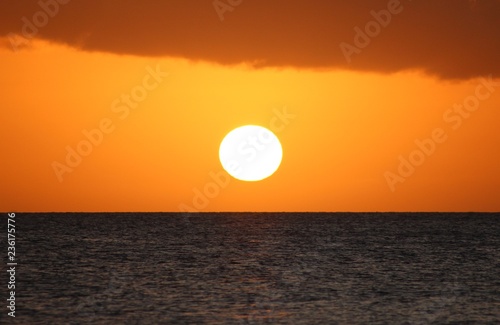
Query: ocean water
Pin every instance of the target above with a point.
(256, 268)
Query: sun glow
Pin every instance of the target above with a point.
(250, 153)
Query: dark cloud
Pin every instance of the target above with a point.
(447, 38)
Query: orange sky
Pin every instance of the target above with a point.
(347, 128)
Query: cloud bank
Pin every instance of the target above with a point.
(451, 39)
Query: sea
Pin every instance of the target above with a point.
(255, 268)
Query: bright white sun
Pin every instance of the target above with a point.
(250, 153)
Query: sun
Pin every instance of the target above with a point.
(250, 153)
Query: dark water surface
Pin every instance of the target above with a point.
(253, 268)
